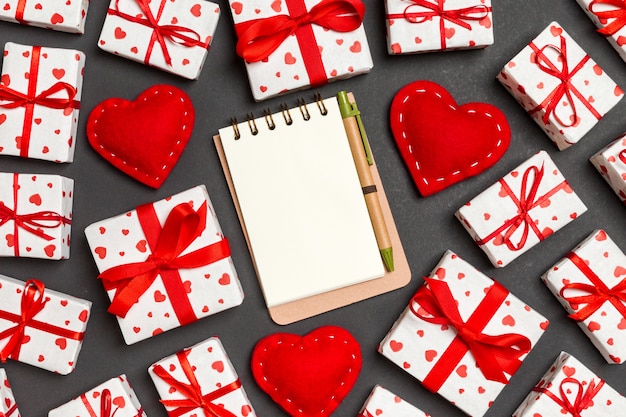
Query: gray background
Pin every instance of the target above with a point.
(427, 226)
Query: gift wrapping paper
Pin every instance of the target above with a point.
(64, 16)
(35, 215)
(611, 163)
(41, 327)
(610, 18)
(177, 259)
(384, 403)
(520, 210)
(560, 86)
(8, 406)
(114, 397)
(437, 25)
(172, 36)
(39, 112)
(447, 336)
(590, 282)
(200, 380)
(316, 47)
(570, 389)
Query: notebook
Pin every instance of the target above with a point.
(301, 207)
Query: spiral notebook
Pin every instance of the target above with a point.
(302, 210)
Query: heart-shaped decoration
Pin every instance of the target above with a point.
(143, 138)
(308, 376)
(443, 143)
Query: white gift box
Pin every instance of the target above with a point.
(40, 112)
(560, 86)
(203, 371)
(176, 296)
(588, 282)
(520, 210)
(327, 55)
(435, 338)
(437, 25)
(54, 327)
(607, 16)
(64, 16)
(384, 403)
(132, 28)
(569, 388)
(611, 163)
(8, 406)
(35, 215)
(115, 395)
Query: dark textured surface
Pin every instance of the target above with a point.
(427, 226)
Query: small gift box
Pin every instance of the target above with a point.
(114, 397)
(8, 406)
(570, 389)
(329, 43)
(35, 215)
(560, 86)
(172, 36)
(523, 208)
(41, 327)
(64, 16)
(383, 403)
(454, 327)
(611, 163)
(200, 380)
(165, 264)
(437, 25)
(610, 18)
(40, 111)
(590, 282)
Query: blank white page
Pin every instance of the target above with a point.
(302, 205)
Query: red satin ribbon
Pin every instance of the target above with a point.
(160, 33)
(182, 226)
(257, 39)
(10, 411)
(365, 413)
(106, 405)
(622, 156)
(33, 301)
(32, 222)
(584, 398)
(597, 293)
(527, 201)
(618, 14)
(565, 88)
(456, 16)
(14, 99)
(495, 355)
(19, 13)
(192, 392)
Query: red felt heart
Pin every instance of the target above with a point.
(443, 143)
(308, 376)
(143, 138)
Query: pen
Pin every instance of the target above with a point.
(362, 159)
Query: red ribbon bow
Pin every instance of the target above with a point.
(525, 203)
(597, 293)
(584, 398)
(259, 38)
(618, 14)
(622, 156)
(565, 88)
(160, 33)
(193, 392)
(182, 226)
(106, 405)
(495, 355)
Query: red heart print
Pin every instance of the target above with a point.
(442, 143)
(61, 343)
(196, 10)
(568, 371)
(35, 199)
(237, 7)
(101, 251)
(58, 73)
(56, 19)
(143, 138)
(327, 362)
(218, 366)
(119, 33)
(119, 402)
(224, 280)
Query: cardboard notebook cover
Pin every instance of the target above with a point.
(311, 306)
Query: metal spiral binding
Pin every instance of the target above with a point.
(252, 124)
(303, 109)
(286, 115)
(269, 119)
(233, 121)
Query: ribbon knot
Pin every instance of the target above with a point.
(456, 16)
(14, 99)
(619, 14)
(583, 399)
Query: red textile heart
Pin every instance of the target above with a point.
(143, 138)
(308, 376)
(443, 143)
